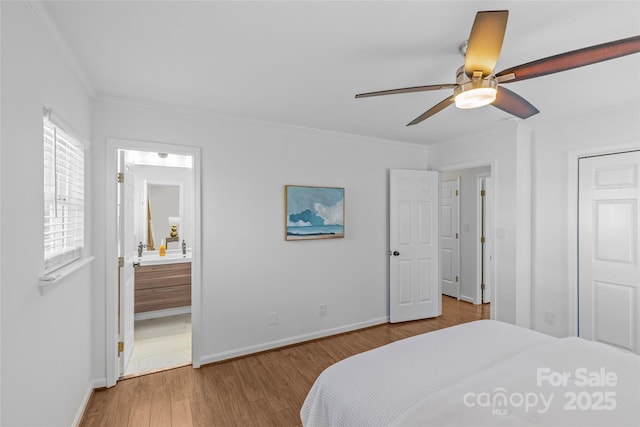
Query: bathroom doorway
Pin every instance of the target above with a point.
(157, 296)
(156, 285)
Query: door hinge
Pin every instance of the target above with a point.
(120, 261)
(482, 286)
(120, 177)
(483, 193)
(482, 239)
(456, 279)
(457, 192)
(120, 346)
(456, 235)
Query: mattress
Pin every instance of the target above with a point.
(479, 373)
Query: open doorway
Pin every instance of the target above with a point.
(155, 224)
(154, 291)
(466, 230)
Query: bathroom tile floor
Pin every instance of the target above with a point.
(160, 343)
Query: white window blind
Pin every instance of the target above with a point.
(63, 197)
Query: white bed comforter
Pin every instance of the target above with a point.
(479, 373)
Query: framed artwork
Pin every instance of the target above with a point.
(313, 212)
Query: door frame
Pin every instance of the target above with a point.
(572, 223)
(126, 274)
(489, 247)
(492, 163)
(111, 248)
(482, 222)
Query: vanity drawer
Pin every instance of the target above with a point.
(162, 298)
(162, 275)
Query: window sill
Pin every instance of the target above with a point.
(54, 278)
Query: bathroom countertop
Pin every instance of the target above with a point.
(172, 257)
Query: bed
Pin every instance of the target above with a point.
(480, 373)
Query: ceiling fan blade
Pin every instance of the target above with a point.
(485, 42)
(407, 90)
(513, 103)
(569, 60)
(433, 110)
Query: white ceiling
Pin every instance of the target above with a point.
(302, 62)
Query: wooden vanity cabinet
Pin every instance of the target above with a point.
(162, 286)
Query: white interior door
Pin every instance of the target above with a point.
(414, 240)
(608, 235)
(449, 238)
(126, 248)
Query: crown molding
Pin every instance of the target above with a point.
(254, 122)
(46, 22)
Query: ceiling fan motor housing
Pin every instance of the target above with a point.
(475, 91)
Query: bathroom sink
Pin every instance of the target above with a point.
(172, 257)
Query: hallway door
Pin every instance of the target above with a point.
(449, 238)
(608, 239)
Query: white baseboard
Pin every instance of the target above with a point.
(162, 313)
(98, 383)
(467, 299)
(217, 357)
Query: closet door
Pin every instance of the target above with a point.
(608, 236)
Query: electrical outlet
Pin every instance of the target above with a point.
(273, 318)
(322, 310)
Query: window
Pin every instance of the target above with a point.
(63, 197)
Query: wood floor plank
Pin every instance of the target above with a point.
(205, 402)
(252, 385)
(277, 376)
(266, 389)
(122, 406)
(140, 413)
(181, 413)
(160, 409)
(94, 414)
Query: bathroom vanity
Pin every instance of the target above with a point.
(162, 284)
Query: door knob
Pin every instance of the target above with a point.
(396, 253)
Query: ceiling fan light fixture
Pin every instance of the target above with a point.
(476, 93)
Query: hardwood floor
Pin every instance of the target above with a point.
(265, 389)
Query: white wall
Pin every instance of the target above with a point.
(249, 270)
(554, 146)
(498, 149)
(46, 339)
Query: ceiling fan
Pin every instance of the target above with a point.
(476, 85)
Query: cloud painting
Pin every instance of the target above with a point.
(314, 212)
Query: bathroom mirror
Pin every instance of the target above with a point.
(163, 211)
